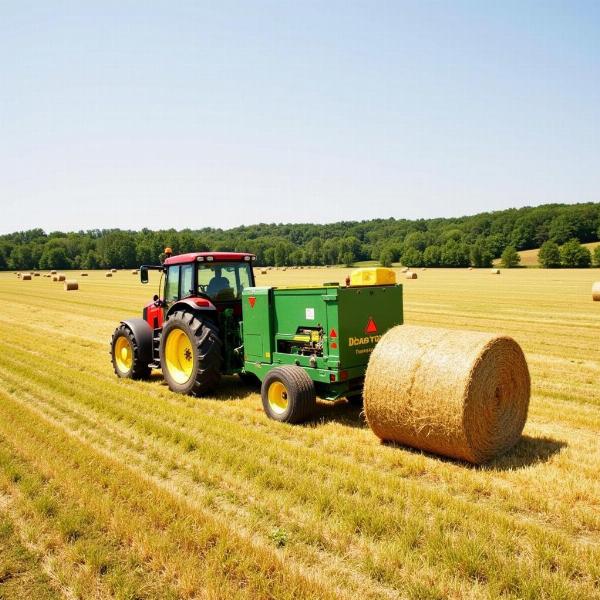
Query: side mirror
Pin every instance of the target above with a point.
(144, 274)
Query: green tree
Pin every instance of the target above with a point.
(412, 257)
(596, 256)
(480, 254)
(432, 256)
(54, 257)
(386, 258)
(574, 255)
(510, 257)
(549, 255)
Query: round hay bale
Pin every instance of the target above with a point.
(36, 274)
(52, 272)
(460, 394)
(61, 277)
(134, 271)
(411, 275)
(495, 271)
(470, 268)
(70, 285)
(596, 291)
(405, 270)
(54, 277)
(109, 274)
(263, 271)
(84, 274)
(26, 277)
(113, 270)
(284, 269)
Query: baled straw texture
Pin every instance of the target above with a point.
(411, 275)
(109, 274)
(495, 271)
(71, 284)
(26, 277)
(84, 274)
(52, 272)
(61, 277)
(113, 270)
(263, 271)
(460, 394)
(54, 277)
(596, 291)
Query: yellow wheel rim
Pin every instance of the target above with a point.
(179, 356)
(123, 354)
(278, 397)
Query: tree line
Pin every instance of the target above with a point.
(558, 229)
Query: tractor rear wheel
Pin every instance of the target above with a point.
(288, 394)
(125, 355)
(190, 354)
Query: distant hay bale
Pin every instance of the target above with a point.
(405, 269)
(36, 274)
(70, 285)
(26, 277)
(52, 272)
(134, 271)
(596, 291)
(284, 269)
(470, 268)
(460, 394)
(54, 277)
(84, 274)
(410, 275)
(263, 271)
(113, 270)
(424, 269)
(109, 274)
(495, 271)
(61, 277)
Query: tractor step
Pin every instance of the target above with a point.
(156, 349)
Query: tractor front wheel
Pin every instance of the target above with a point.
(126, 356)
(288, 394)
(190, 354)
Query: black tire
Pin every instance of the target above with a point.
(203, 354)
(298, 399)
(128, 365)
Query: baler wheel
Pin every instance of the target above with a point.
(125, 355)
(288, 394)
(190, 354)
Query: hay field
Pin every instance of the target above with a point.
(121, 488)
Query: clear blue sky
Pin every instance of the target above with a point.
(190, 114)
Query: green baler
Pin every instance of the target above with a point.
(328, 332)
(210, 319)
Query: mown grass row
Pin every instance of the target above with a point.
(234, 456)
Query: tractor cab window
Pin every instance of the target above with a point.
(223, 281)
(172, 284)
(187, 284)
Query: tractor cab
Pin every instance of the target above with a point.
(210, 280)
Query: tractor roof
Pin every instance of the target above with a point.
(216, 256)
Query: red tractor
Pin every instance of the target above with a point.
(191, 332)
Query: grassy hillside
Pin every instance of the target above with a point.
(119, 488)
(529, 258)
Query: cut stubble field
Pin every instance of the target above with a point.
(122, 488)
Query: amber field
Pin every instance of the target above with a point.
(114, 488)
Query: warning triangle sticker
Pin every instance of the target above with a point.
(371, 327)
(332, 333)
(252, 301)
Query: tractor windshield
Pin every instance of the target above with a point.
(224, 281)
